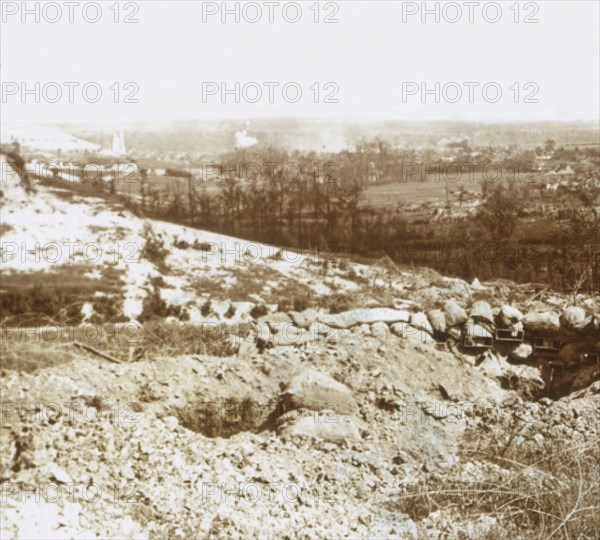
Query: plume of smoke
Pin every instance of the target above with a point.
(243, 140)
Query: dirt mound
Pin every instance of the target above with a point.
(189, 447)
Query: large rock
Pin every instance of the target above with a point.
(380, 330)
(327, 425)
(348, 319)
(522, 352)
(542, 323)
(315, 391)
(305, 318)
(509, 316)
(454, 313)
(482, 311)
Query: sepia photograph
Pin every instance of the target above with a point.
(300, 270)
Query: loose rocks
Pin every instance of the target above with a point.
(522, 352)
(327, 425)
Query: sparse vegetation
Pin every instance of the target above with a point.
(59, 295)
(154, 249)
(258, 311)
(206, 309)
(338, 303)
(548, 491)
(154, 307)
(231, 311)
(370, 205)
(176, 339)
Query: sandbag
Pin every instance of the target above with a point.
(542, 323)
(482, 311)
(508, 316)
(454, 313)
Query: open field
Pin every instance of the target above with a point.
(400, 193)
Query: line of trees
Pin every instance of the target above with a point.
(324, 208)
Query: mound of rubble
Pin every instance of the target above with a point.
(326, 440)
(562, 345)
(326, 423)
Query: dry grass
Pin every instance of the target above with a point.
(59, 294)
(550, 491)
(174, 339)
(30, 357)
(32, 348)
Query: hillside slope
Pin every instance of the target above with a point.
(343, 414)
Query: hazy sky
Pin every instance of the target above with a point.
(370, 55)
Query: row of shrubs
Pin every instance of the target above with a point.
(38, 303)
(41, 302)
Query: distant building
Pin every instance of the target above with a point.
(564, 174)
(118, 144)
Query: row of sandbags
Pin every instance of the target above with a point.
(479, 325)
(574, 331)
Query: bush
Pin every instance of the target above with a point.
(59, 296)
(231, 311)
(154, 249)
(206, 309)
(154, 307)
(338, 303)
(203, 246)
(353, 275)
(301, 303)
(284, 306)
(181, 244)
(259, 311)
(277, 256)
